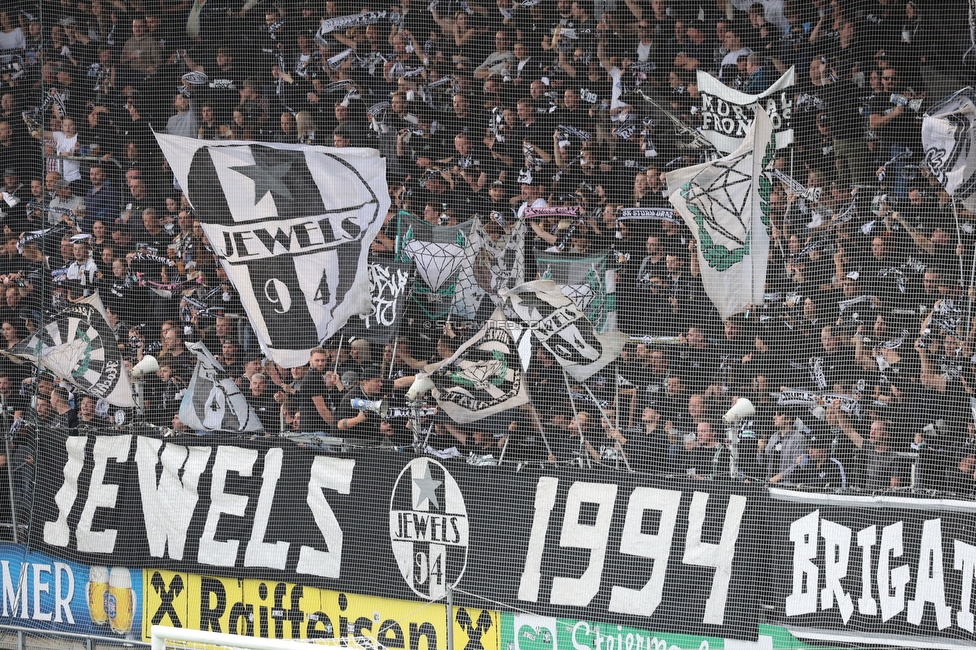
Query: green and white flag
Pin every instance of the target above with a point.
(583, 279)
(725, 203)
(485, 375)
(441, 254)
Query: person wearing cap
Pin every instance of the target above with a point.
(66, 207)
(366, 423)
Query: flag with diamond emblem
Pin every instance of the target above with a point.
(725, 203)
(292, 225)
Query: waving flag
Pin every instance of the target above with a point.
(212, 401)
(555, 322)
(484, 377)
(292, 225)
(390, 289)
(950, 144)
(440, 254)
(79, 346)
(725, 203)
(583, 279)
(726, 112)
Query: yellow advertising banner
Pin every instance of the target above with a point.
(270, 609)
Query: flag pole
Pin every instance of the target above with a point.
(616, 444)
(572, 402)
(542, 430)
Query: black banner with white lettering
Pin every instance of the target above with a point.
(890, 569)
(621, 548)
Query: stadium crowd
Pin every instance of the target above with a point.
(487, 109)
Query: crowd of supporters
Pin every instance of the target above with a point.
(487, 109)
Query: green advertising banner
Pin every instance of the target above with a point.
(531, 632)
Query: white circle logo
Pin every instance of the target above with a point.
(428, 528)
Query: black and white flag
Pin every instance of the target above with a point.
(292, 225)
(727, 113)
(79, 346)
(390, 289)
(212, 401)
(484, 377)
(950, 144)
(557, 324)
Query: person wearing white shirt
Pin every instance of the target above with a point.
(66, 144)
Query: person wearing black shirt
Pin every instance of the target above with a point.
(316, 415)
(362, 423)
(261, 399)
(892, 119)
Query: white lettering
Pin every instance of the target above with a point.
(888, 579)
(12, 596)
(260, 553)
(57, 533)
(228, 459)
(330, 474)
(655, 547)
(545, 500)
(719, 555)
(64, 591)
(806, 575)
(866, 539)
(176, 494)
(40, 587)
(101, 495)
(838, 552)
(580, 591)
(929, 580)
(963, 559)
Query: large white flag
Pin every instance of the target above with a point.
(212, 401)
(725, 203)
(949, 138)
(79, 346)
(726, 112)
(292, 225)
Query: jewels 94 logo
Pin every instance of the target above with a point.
(429, 528)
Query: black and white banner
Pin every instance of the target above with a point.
(212, 401)
(949, 138)
(292, 225)
(727, 113)
(676, 555)
(883, 570)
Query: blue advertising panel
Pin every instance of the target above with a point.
(41, 591)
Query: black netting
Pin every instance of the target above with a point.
(797, 312)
